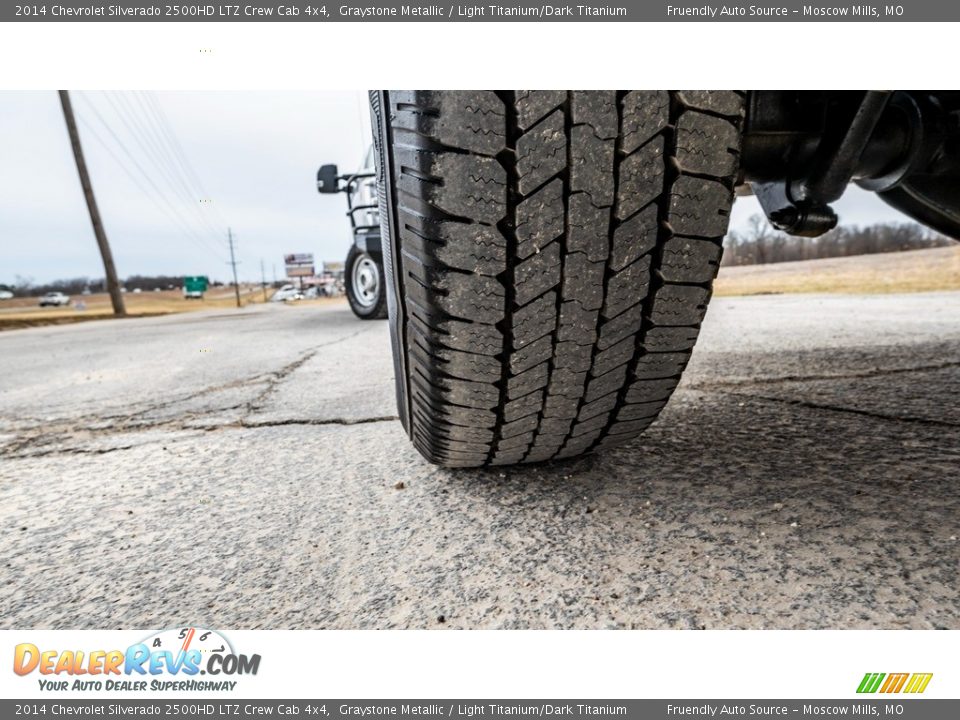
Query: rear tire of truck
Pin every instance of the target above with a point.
(549, 259)
(364, 285)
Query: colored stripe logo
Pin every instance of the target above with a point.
(913, 683)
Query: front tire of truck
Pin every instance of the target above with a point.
(550, 258)
(364, 284)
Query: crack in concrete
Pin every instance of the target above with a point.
(841, 409)
(45, 433)
(876, 372)
(70, 451)
(274, 376)
(315, 421)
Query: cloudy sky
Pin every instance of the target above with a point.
(254, 153)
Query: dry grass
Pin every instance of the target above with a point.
(25, 312)
(911, 271)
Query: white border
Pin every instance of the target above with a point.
(167, 56)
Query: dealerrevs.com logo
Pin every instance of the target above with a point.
(169, 660)
(912, 683)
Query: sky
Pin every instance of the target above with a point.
(255, 154)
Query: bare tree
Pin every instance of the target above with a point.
(762, 244)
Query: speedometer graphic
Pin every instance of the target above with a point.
(184, 639)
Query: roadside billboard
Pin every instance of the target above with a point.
(299, 265)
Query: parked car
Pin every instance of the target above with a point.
(6, 295)
(286, 294)
(549, 255)
(55, 299)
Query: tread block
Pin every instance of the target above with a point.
(471, 247)
(601, 405)
(607, 360)
(577, 323)
(724, 102)
(541, 153)
(459, 335)
(707, 145)
(583, 280)
(626, 324)
(689, 260)
(573, 356)
(533, 354)
(517, 442)
(532, 105)
(537, 274)
(650, 390)
(460, 392)
(635, 237)
(593, 426)
(600, 386)
(645, 114)
(589, 228)
(626, 287)
(521, 407)
(469, 120)
(529, 380)
(699, 207)
(661, 339)
(540, 219)
(660, 365)
(591, 165)
(641, 178)
(596, 109)
(535, 320)
(524, 424)
(558, 406)
(467, 366)
(466, 186)
(470, 297)
(679, 305)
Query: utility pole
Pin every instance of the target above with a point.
(263, 280)
(109, 269)
(233, 264)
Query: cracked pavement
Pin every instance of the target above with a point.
(245, 470)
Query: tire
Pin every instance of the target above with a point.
(367, 303)
(550, 259)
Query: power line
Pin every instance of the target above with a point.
(157, 154)
(192, 195)
(159, 193)
(178, 151)
(153, 196)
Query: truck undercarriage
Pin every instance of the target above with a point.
(802, 148)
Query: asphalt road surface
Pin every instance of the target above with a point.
(241, 469)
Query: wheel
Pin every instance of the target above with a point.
(550, 259)
(364, 284)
